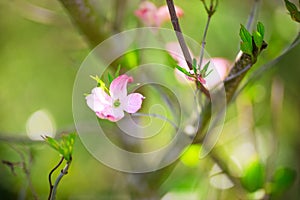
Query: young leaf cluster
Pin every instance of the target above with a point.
(203, 73)
(248, 40)
(64, 145)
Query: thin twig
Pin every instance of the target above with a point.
(12, 165)
(203, 43)
(178, 33)
(25, 168)
(50, 174)
(182, 43)
(63, 172)
(210, 11)
(253, 15)
(20, 138)
(7, 137)
(28, 174)
(156, 116)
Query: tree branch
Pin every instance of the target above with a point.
(86, 18)
(268, 65)
(178, 33)
(239, 70)
(182, 43)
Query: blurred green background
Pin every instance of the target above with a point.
(41, 51)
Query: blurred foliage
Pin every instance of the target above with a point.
(41, 51)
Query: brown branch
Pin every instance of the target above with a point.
(182, 43)
(87, 19)
(256, 74)
(239, 70)
(179, 35)
(12, 165)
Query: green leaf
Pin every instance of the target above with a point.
(205, 67)
(290, 6)
(245, 35)
(52, 142)
(64, 145)
(258, 39)
(295, 14)
(204, 72)
(261, 29)
(254, 176)
(246, 48)
(110, 78)
(282, 180)
(118, 71)
(208, 73)
(183, 70)
(246, 44)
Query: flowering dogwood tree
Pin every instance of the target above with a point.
(172, 122)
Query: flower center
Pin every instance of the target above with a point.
(117, 103)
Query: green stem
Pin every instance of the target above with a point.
(204, 41)
(210, 11)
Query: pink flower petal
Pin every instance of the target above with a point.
(133, 102)
(222, 66)
(163, 15)
(98, 99)
(111, 114)
(118, 87)
(175, 52)
(150, 15)
(147, 13)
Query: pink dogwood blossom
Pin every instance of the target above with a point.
(112, 106)
(151, 15)
(221, 65)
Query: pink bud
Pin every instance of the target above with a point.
(150, 15)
